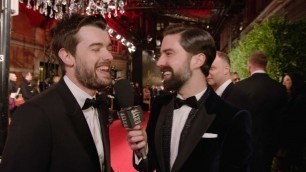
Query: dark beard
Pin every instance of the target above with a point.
(174, 83)
(177, 80)
(89, 78)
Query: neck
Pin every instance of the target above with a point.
(91, 92)
(193, 86)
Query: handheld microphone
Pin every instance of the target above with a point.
(130, 115)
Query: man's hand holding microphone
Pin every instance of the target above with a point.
(131, 117)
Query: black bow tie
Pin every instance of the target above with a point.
(91, 102)
(191, 101)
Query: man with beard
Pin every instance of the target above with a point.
(65, 128)
(205, 133)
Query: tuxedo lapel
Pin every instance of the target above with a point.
(103, 118)
(199, 126)
(79, 123)
(166, 110)
(201, 123)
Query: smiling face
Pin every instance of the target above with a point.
(93, 58)
(174, 63)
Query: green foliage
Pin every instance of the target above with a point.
(283, 42)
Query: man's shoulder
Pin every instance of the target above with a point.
(226, 110)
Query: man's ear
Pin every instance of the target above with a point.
(197, 60)
(66, 57)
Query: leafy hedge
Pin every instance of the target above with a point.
(282, 41)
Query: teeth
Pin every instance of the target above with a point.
(103, 68)
(167, 73)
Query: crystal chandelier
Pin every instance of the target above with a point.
(56, 8)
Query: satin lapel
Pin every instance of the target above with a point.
(103, 118)
(78, 122)
(201, 123)
(165, 111)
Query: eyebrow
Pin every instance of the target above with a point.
(167, 50)
(99, 44)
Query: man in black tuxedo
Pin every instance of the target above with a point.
(219, 79)
(267, 98)
(63, 129)
(206, 134)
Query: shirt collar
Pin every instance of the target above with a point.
(198, 96)
(258, 71)
(78, 93)
(221, 89)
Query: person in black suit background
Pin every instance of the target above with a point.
(292, 131)
(26, 88)
(267, 98)
(208, 134)
(59, 130)
(219, 79)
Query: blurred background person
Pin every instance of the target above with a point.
(219, 79)
(267, 97)
(12, 87)
(235, 77)
(146, 92)
(137, 94)
(26, 88)
(292, 131)
(12, 91)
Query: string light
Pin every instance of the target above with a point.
(56, 9)
(131, 47)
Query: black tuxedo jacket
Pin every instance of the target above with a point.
(266, 97)
(229, 151)
(235, 96)
(50, 133)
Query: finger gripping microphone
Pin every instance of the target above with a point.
(130, 115)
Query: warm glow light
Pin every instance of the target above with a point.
(85, 7)
(128, 44)
(90, 7)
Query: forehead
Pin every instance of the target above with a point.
(287, 77)
(93, 34)
(171, 42)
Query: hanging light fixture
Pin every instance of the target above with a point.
(56, 9)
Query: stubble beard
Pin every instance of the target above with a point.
(89, 78)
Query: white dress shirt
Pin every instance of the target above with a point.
(91, 116)
(179, 119)
(258, 71)
(221, 89)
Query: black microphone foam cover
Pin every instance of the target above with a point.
(124, 93)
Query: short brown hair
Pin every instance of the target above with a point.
(259, 59)
(224, 57)
(63, 34)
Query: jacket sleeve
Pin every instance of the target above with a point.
(237, 145)
(27, 146)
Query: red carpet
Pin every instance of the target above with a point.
(121, 154)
